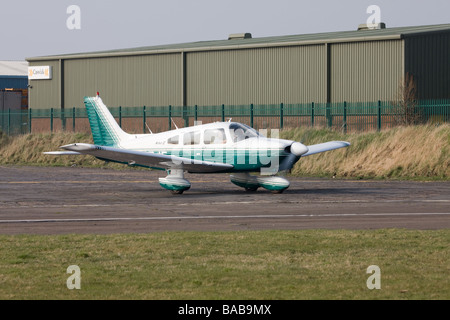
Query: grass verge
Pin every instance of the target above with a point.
(307, 264)
(414, 152)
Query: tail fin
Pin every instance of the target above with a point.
(105, 130)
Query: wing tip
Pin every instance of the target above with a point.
(62, 153)
(79, 147)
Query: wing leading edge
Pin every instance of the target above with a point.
(148, 159)
(327, 146)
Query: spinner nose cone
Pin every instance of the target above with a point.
(298, 149)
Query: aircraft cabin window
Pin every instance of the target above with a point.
(214, 136)
(241, 132)
(173, 140)
(191, 138)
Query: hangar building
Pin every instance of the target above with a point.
(13, 86)
(13, 75)
(354, 66)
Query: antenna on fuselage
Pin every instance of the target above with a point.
(229, 120)
(148, 128)
(174, 123)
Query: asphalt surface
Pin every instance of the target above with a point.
(44, 200)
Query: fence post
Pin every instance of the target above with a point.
(29, 120)
(51, 119)
(143, 119)
(328, 115)
(251, 115)
(195, 113)
(312, 114)
(281, 116)
(73, 119)
(63, 119)
(379, 116)
(345, 117)
(170, 117)
(120, 116)
(223, 113)
(9, 122)
(185, 116)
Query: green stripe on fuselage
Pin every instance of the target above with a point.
(241, 159)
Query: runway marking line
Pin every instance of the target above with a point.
(338, 215)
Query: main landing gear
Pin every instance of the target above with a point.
(175, 181)
(177, 184)
(251, 183)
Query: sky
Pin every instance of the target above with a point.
(31, 28)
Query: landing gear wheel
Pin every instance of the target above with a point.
(252, 189)
(175, 181)
(277, 191)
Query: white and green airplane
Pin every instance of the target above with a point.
(219, 147)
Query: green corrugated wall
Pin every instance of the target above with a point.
(260, 76)
(427, 59)
(45, 94)
(124, 81)
(330, 71)
(366, 71)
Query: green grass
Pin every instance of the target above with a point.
(307, 264)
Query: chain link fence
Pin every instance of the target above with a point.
(346, 116)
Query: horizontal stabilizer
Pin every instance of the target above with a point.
(327, 146)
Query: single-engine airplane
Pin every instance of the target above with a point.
(219, 147)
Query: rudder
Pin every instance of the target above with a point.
(105, 130)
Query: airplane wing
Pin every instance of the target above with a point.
(149, 159)
(327, 146)
(63, 153)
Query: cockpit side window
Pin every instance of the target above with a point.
(214, 136)
(241, 132)
(191, 138)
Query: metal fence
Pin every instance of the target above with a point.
(345, 116)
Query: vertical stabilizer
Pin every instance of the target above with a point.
(105, 130)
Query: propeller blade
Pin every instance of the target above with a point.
(288, 162)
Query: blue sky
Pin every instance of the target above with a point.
(36, 28)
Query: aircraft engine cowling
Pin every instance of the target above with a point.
(298, 149)
(295, 151)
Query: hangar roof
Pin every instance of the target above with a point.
(14, 68)
(303, 39)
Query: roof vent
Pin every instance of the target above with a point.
(239, 36)
(373, 26)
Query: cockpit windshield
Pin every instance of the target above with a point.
(239, 132)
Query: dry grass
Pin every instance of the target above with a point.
(28, 149)
(402, 152)
(413, 151)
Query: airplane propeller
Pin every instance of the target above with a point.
(295, 150)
